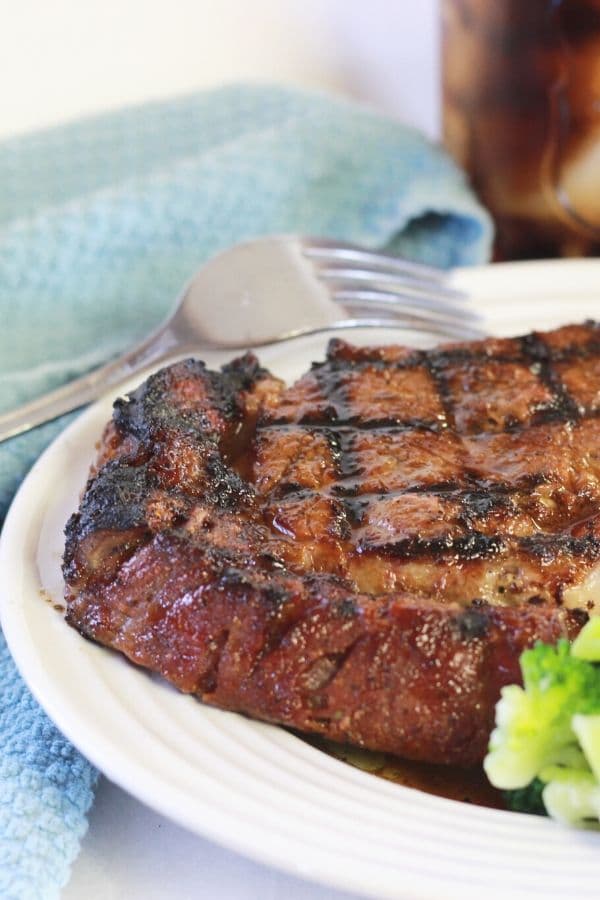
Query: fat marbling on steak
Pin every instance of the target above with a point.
(362, 555)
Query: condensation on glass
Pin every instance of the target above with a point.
(521, 114)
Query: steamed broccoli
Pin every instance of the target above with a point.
(527, 799)
(548, 731)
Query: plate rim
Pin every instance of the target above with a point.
(17, 527)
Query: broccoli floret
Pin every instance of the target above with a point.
(527, 799)
(545, 749)
(587, 729)
(572, 797)
(587, 643)
(534, 723)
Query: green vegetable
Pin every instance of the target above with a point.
(547, 736)
(587, 643)
(527, 799)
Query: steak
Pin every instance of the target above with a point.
(362, 555)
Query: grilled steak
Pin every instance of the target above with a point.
(362, 555)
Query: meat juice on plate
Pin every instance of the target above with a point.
(521, 114)
(469, 785)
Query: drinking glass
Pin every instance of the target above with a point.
(521, 114)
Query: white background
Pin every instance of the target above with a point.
(60, 59)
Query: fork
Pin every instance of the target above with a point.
(269, 290)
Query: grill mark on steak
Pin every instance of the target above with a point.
(560, 412)
(562, 407)
(573, 342)
(466, 547)
(435, 367)
(363, 554)
(354, 425)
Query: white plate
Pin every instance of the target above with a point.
(253, 787)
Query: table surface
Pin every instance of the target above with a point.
(131, 852)
(383, 53)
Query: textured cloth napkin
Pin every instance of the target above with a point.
(101, 222)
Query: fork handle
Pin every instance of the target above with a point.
(88, 387)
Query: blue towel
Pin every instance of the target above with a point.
(101, 222)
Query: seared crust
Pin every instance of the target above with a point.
(364, 554)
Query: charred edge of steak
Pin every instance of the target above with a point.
(178, 417)
(155, 404)
(151, 404)
(241, 373)
(224, 487)
(114, 500)
(528, 348)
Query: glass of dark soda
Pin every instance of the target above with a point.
(521, 114)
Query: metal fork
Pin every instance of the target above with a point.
(269, 290)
